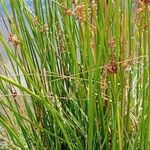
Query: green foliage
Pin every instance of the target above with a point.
(80, 75)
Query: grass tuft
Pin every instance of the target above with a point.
(78, 75)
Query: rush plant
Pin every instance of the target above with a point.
(80, 75)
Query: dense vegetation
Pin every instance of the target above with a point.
(80, 75)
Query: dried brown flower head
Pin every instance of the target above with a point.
(112, 68)
(79, 11)
(13, 39)
(141, 8)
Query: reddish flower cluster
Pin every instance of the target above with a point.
(112, 68)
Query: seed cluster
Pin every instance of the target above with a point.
(142, 6)
(111, 68)
(79, 11)
(13, 39)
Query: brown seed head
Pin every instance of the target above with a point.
(13, 39)
(112, 68)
